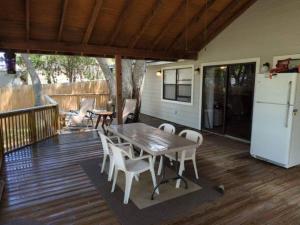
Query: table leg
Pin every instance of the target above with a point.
(104, 123)
(98, 121)
(165, 180)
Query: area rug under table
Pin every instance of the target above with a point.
(169, 204)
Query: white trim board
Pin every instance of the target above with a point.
(228, 62)
(192, 91)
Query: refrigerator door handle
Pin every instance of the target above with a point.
(288, 104)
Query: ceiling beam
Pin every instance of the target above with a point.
(91, 24)
(194, 20)
(62, 19)
(48, 47)
(120, 21)
(27, 15)
(168, 24)
(226, 17)
(147, 21)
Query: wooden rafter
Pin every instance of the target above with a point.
(27, 15)
(122, 18)
(49, 47)
(168, 25)
(62, 19)
(229, 14)
(194, 20)
(146, 23)
(91, 24)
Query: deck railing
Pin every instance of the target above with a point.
(68, 102)
(23, 127)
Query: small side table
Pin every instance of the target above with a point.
(106, 118)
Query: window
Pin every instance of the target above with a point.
(177, 84)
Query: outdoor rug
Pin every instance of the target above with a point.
(169, 204)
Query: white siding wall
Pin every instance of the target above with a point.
(268, 28)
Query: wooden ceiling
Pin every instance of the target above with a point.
(149, 29)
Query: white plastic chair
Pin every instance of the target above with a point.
(186, 155)
(168, 128)
(76, 118)
(131, 167)
(129, 107)
(127, 147)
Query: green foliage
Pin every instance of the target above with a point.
(74, 67)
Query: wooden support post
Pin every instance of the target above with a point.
(119, 88)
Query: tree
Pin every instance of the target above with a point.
(133, 74)
(48, 65)
(36, 83)
(78, 67)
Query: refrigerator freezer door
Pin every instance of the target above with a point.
(278, 90)
(271, 132)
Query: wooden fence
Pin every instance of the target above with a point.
(69, 102)
(22, 97)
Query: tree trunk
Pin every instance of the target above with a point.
(109, 77)
(138, 78)
(36, 83)
(133, 74)
(127, 78)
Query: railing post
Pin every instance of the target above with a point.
(56, 118)
(32, 126)
(1, 143)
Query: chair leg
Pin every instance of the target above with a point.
(195, 167)
(141, 152)
(111, 168)
(181, 169)
(154, 159)
(137, 177)
(128, 184)
(103, 163)
(115, 180)
(160, 166)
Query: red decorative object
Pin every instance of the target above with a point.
(281, 67)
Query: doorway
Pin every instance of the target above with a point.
(227, 99)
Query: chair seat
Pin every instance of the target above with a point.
(136, 165)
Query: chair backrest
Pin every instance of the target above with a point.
(168, 128)
(105, 141)
(86, 104)
(118, 157)
(192, 136)
(129, 107)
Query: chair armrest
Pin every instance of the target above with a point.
(143, 157)
(124, 144)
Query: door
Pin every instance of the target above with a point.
(239, 104)
(228, 99)
(278, 90)
(271, 132)
(213, 102)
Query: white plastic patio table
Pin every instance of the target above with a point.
(152, 140)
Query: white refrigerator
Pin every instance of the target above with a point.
(276, 121)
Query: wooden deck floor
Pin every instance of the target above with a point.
(45, 184)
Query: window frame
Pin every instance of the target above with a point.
(192, 84)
